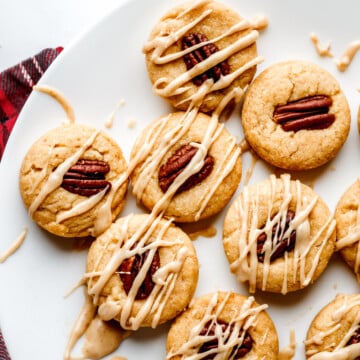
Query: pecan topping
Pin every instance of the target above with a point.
(282, 244)
(175, 165)
(237, 352)
(201, 54)
(129, 269)
(309, 113)
(86, 177)
(355, 339)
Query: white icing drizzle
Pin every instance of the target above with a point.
(245, 318)
(347, 353)
(14, 247)
(59, 97)
(110, 119)
(246, 266)
(348, 55)
(82, 206)
(164, 278)
(56, 177)
(159, 45)
(87, 313)
(288, 352)
(42, 174)
(322, 50)
(340, 351)
(259, 22)
(101, 339)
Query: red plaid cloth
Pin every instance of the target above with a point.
(15, 87)
(4, 355)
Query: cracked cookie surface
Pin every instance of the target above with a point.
(295, 115)
(68, 175)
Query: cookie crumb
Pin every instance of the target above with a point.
(206, 232)
(110, 119)
(288, 352)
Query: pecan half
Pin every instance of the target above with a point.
(237, 352)
(282, 244)
(169, 171)
(355, 339)
(309, 113)
(129, 269)
(86, 177)
(201, 54)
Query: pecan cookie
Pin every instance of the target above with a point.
(347, 216)
(295, 115)
(278, 235)
(142, 271)
(179, 66)
(73, 181)
(223, 325)
(187, 166)
(335, 331)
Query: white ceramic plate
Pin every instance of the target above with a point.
(104, 66)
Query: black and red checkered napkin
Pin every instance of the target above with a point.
(15, 87)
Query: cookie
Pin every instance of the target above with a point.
(335, 331)
(295, 115)
(184, 72)
(224, 325)
(347, 216)
(73, 181)
(187, 165)
(142, 271)
(278, 235)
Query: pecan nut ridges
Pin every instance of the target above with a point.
(130, 268)
(309, 113)
(176, 164)
(200, 54)
(87, 177)
(281, 241)
(212, 328)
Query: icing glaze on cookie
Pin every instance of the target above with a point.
(246, 266)
(338, 318)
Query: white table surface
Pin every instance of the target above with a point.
(28, 26)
